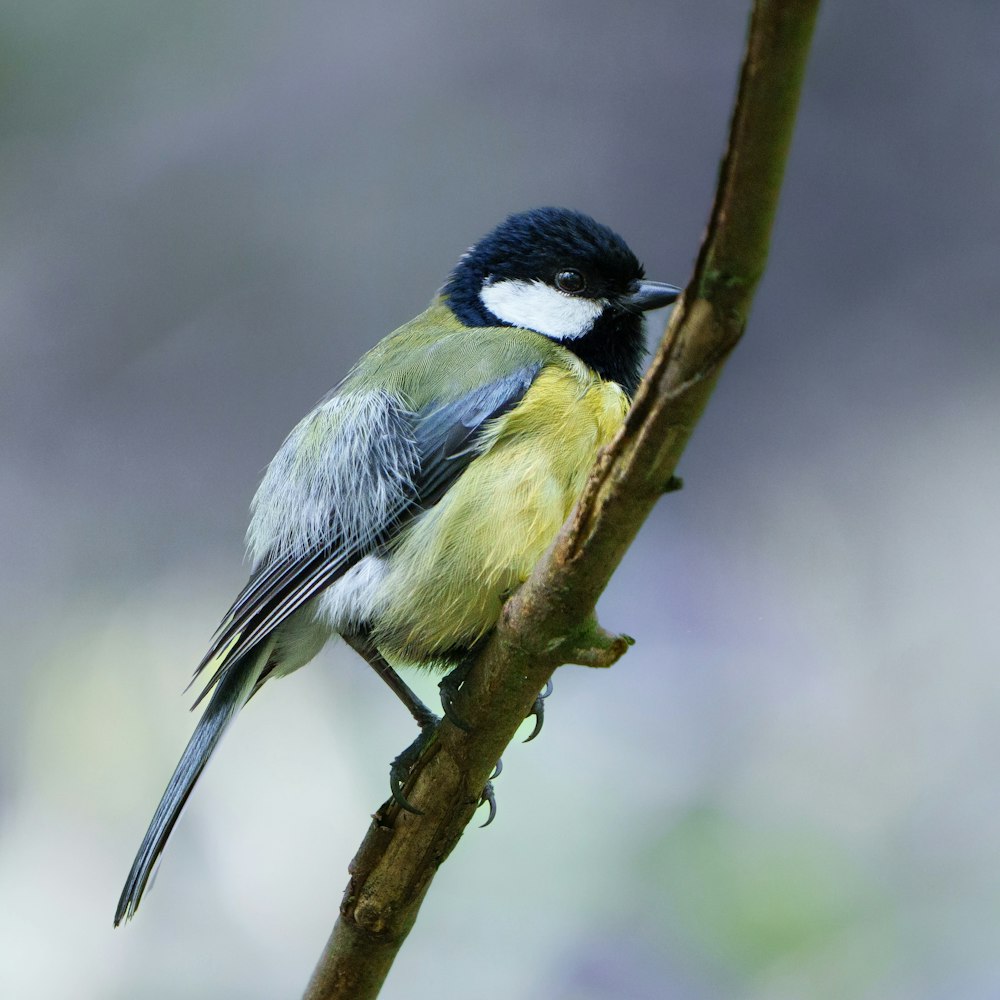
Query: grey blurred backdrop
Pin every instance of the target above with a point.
(789, 787)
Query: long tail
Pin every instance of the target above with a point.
(231, 693)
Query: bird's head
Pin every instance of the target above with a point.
(566, 277)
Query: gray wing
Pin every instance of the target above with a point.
(402, 463)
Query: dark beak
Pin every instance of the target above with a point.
(651, 295)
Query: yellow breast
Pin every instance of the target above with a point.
(452, 568)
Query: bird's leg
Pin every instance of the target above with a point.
(362, 644)
(399, 769)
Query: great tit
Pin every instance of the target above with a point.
(423, 489)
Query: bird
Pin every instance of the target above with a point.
(421, 491)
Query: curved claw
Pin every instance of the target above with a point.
(448, 692)
(498, 770)
(539, 715)
(399, 770)
(490, 798)
(538, 710)
(396, 782)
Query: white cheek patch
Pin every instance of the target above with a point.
(540, 307)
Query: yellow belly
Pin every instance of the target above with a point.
(451, 570)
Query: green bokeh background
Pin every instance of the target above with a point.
(788, 788)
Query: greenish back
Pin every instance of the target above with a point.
(434, 358)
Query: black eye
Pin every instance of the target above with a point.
(570, 281)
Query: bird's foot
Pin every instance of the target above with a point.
(399, 773)
(538, 711)
(449, 687)
(489, 798)
(451, 684)
(400, 768)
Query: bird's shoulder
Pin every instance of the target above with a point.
(435, 359)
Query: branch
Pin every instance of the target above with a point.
(550, 620)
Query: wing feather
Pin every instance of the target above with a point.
(414, 458)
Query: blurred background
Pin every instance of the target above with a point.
(789, 788)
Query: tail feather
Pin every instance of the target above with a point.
(234, 687)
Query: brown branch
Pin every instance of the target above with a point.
(550, 620)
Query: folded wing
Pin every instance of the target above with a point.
(417, 457)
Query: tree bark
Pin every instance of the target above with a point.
(550, 620)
